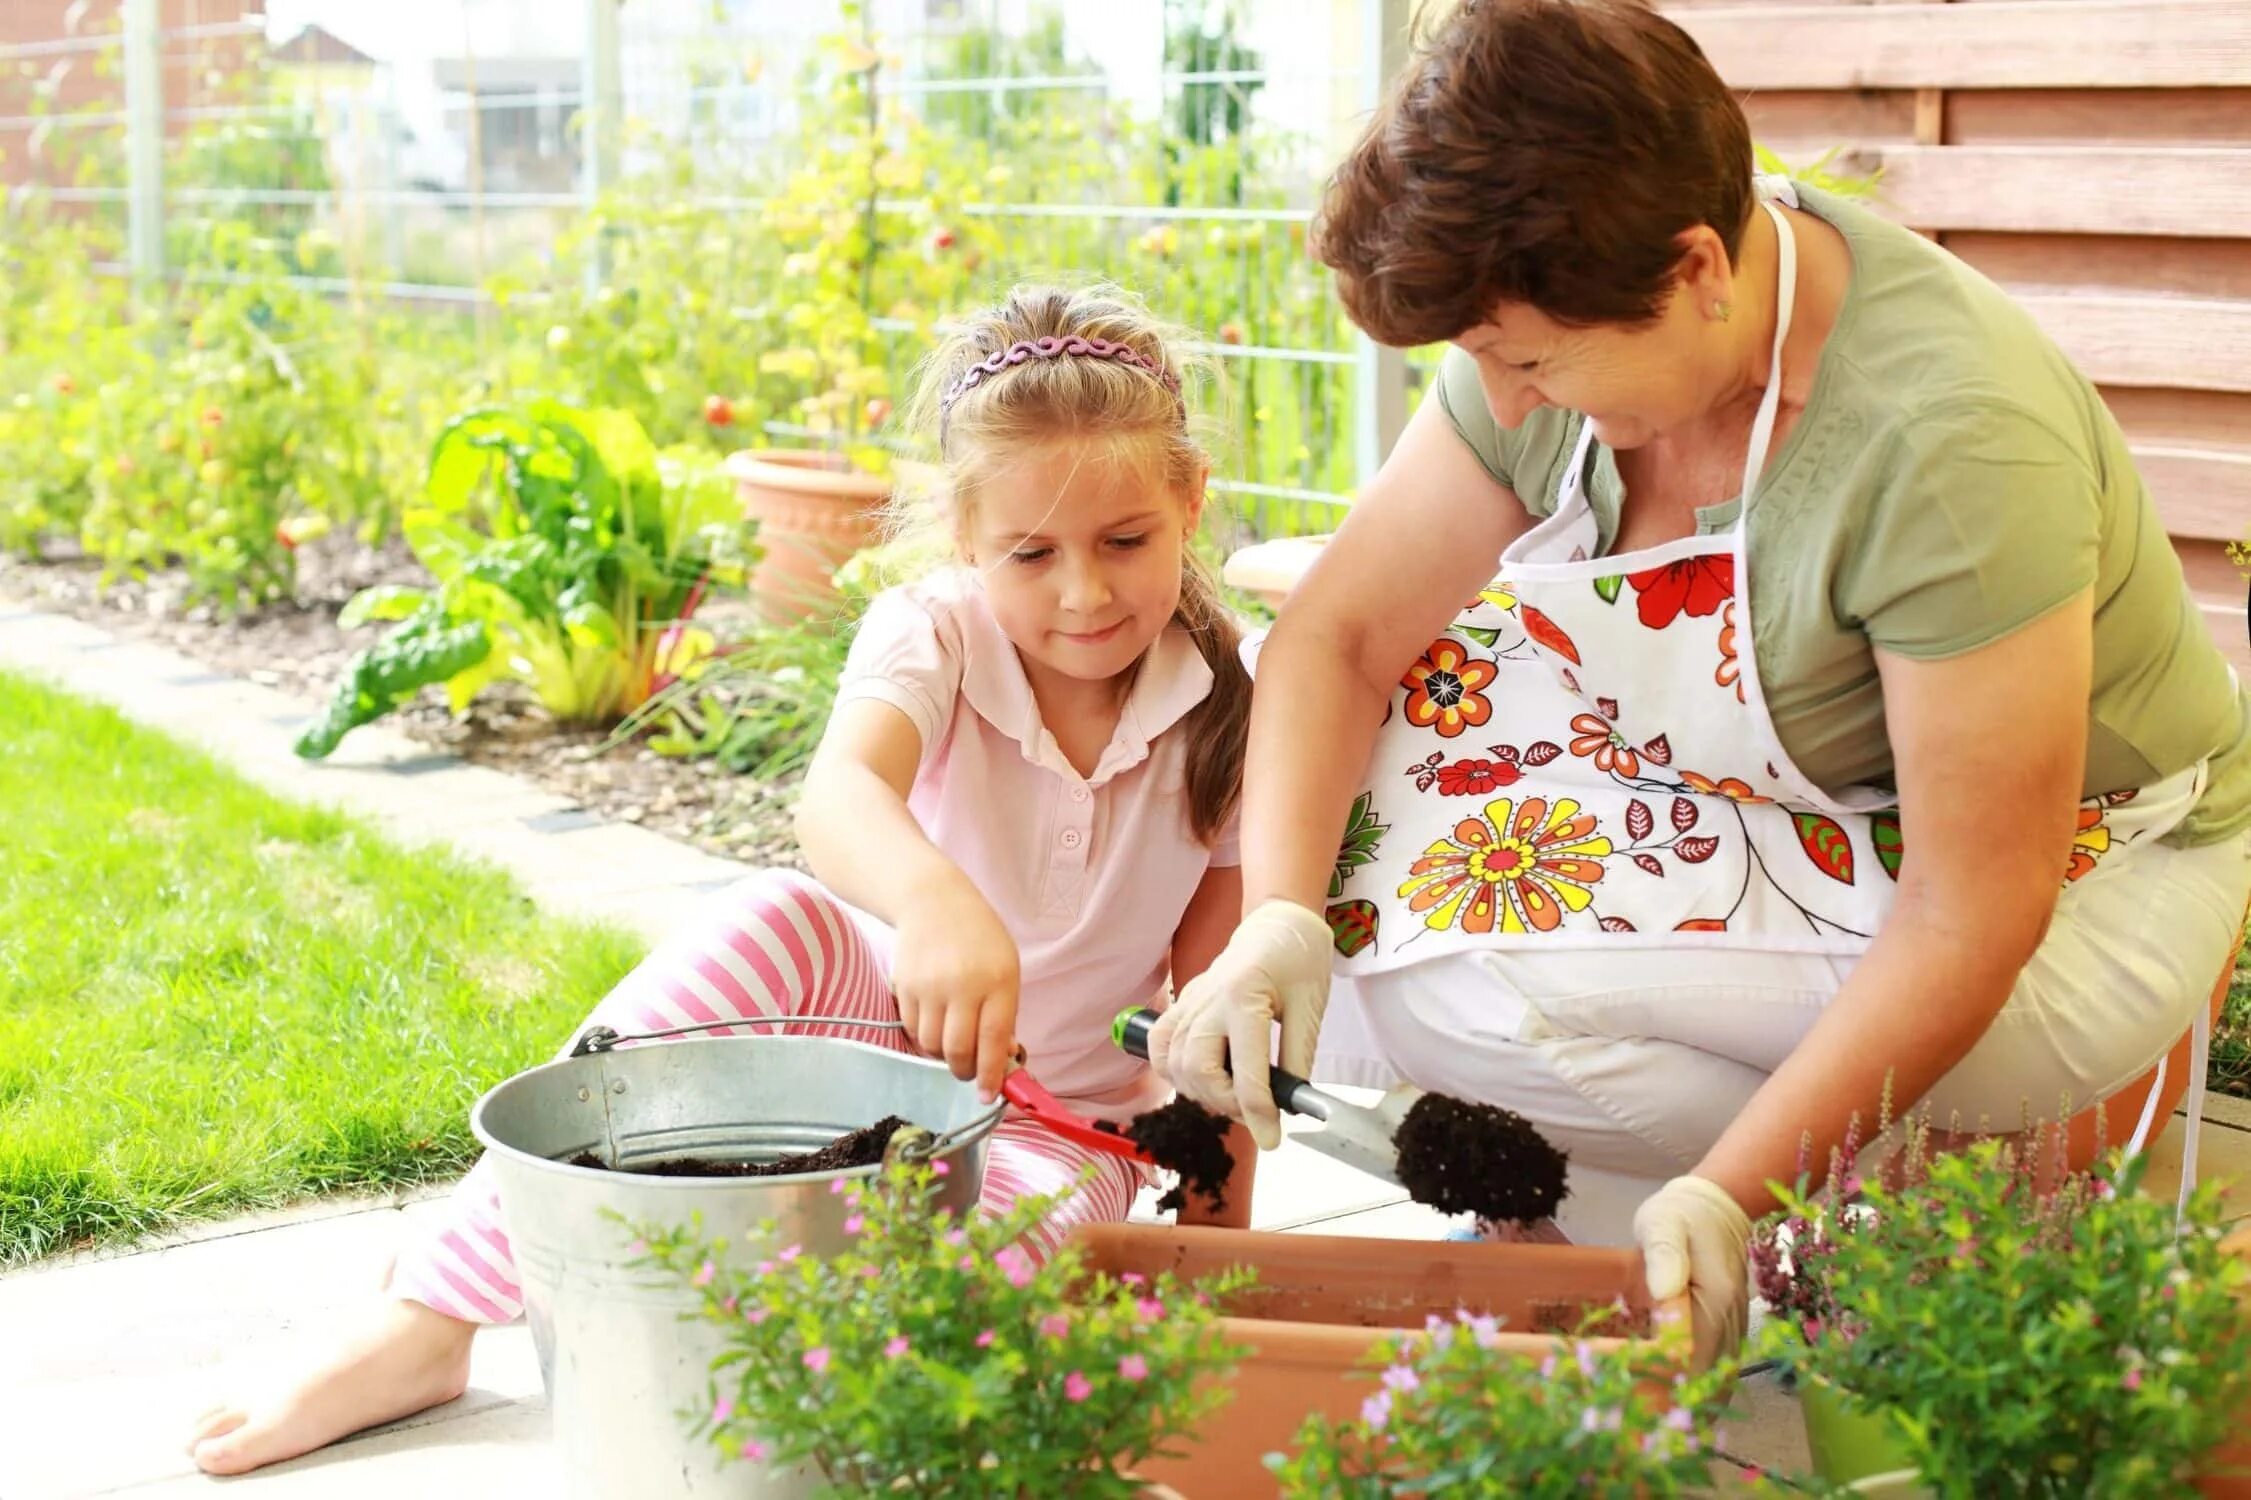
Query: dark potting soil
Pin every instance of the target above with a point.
(860, 1148)
(1188, 1141)
(1459, 1157)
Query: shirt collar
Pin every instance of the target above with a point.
(1173, 678)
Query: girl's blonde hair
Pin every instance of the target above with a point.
(1121, 410)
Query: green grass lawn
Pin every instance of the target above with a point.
(212, 999)
(2231, 1043)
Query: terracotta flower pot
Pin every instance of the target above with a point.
(1323, 1302)
(814, 510)
(2227, 1473)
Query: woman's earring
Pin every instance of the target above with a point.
(1722, 311)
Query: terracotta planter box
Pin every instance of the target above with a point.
(1324, 1302)
(814, 510)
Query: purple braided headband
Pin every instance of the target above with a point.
(1052, 347)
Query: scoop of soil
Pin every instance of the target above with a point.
(1188, 1141)
(1459, 1157)
(859, 1148)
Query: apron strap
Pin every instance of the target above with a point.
(1785, 303)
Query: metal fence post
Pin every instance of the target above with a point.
(601, 119)
(144, 144)
(1379, 386)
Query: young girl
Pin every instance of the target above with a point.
(1021, 817)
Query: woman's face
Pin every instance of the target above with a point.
(1634, 382)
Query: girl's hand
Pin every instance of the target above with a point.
(955, 978)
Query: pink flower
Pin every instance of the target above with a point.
(867, 1273)
(1134, 1367)
(765, 1268)
(1376, 1410)
(835, 1186)
(791, 1254)
(722, 1410)
(896, 1347)
(985, 1339)
(855, 1224)
(1586, 1357)
(1401, 1378)
(1148, 1309)
(703, 1275)
(729, 1304)
(1077, 1387)
(969, 1262)
(1487, 1331)
(638, 1248)
(816, 1360)
(957, 1237)
(756, 1316)
(1547, 1368)
(1133, 1278)
(2132, 1380)
(754, 1450)
(940, 1168)
(1016, 1266)
(1055, 1325)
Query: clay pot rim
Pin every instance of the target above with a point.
(816, 471)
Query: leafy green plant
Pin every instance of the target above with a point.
(1453, 1413)
(563, 545)
(2066, 1342)
(937, 1357)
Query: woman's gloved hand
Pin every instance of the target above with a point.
(1275, 968)
(1695, 1238)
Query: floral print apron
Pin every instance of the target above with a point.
(1585, 757)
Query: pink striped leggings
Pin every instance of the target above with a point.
(777, 944)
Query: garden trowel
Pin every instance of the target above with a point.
(1359, 1135)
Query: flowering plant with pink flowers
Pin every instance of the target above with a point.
(1455, 1413)
(943, 1356)
(2026, 1338)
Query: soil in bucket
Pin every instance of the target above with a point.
(859, 1148)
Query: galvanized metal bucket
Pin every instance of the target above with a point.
(620, 1364)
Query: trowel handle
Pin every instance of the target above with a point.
(1131, 1032)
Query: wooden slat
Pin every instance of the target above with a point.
(2109, 265)
(2115, 117)
(2014, 44)
(2202, 493)
(2190, 192)
(2151, 341)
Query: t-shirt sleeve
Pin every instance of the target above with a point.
(902, 656)
(1227, 849)
(1463, 400)
(1986, 520)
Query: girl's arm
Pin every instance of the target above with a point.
(956, 970)
(1204, 929)
(1989, 748)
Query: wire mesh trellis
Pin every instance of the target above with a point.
(1176, 149)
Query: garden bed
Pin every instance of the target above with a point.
(298, 649)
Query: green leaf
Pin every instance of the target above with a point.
(1609, 586)
(377, 680)
(387, 601)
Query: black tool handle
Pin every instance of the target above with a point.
(1131, 1032)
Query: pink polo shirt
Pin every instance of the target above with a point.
(1090, 875)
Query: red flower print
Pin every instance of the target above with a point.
(1474, 778)
(1727, 786)
(1597, 738)
(1696, 586)
(1729, 673)
(1445, 688)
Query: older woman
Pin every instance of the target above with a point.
(1757, 682)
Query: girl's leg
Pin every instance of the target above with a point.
(774, 945)
(1024, 1159)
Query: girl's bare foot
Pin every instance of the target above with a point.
(405, 1360)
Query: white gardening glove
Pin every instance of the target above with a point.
(1275, 968)
(1697, 1239)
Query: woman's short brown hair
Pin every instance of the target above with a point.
(1546, 152)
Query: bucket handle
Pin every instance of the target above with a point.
(599, 1039)
(602, 1038)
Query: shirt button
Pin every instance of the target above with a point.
(1072, 838)
(1080, 794)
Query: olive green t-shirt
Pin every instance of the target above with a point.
(1951, 479)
